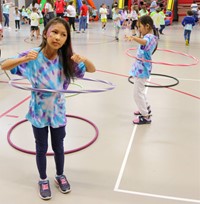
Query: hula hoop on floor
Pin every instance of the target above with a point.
(159, 86)
(51, 153)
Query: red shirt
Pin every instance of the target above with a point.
(84, 10)
(60, 6)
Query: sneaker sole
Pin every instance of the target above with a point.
(46, 198)
(142, 123)
(57, 185)
(145, 123)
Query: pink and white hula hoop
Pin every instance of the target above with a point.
(165, 63)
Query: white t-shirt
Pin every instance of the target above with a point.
(49, 7)
(153, 6)
(134, 15)
(71, 11)
(194, 7)
(16, 15)
(34, 19)
(156, 20)
(103, 12)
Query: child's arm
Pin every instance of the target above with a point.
(89, 65)
(11, 63)
(183, 22)
(137, 39)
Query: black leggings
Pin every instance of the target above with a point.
(72, 22)
(17, 24)
(41, 140)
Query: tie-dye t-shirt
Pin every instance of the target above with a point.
(140, 68)
(46, 108)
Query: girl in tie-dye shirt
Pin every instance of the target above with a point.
(141, 69)
(50, 66)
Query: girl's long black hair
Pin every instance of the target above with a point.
(65, 52)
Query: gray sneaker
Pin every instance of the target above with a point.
(44, 190)
(62, 184)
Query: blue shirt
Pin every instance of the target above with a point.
(46, 108)
(188, 22)
(140, 68)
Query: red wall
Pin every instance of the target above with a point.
(185, 1)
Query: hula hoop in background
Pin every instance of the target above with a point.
(165, 63)
(75, 94)
(111, 86)
(159, 86)
(51, 153)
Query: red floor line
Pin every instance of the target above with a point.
(17, 105)
(179, 91)
(12, 116)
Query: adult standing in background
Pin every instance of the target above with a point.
(6, 12)
(48, 11)
(71, 14)
(60, 7)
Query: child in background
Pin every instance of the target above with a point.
(35, 21)
(103, 12)
(127, 24)
(24, 15)
(134, 19)
(188, 23)
(143, 11)
(141, 70)
(162, 20)
(156, 20)
(124, 16)
(83, 17)
(17, 16)
(117, 22)
(50, 66)
(94, 13)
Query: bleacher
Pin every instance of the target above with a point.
(183, 7)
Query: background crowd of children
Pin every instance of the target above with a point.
(124, 19)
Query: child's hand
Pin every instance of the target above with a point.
(77, 58)
(128, 38)
(32, 55)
